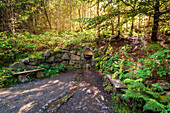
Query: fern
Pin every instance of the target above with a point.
(154, 105)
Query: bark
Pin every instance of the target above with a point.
(13, 23)
(98, 16)
(90, 10)
(118, 22)
(132, 27)
(71, 15)
(45, 10)
(155, 22)
(33, 23)
(112, 22)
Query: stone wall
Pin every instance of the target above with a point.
(71, 57)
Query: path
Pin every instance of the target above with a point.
(30, 97)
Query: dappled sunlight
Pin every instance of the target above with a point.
(51, 81)
(31, 96)
(26, 108)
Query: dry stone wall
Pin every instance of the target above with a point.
(72, 57)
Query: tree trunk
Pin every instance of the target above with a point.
(13, 19)
(139, 23)
(71, 15)
(155, 22)
(98, 16)
(118, 36)
(33, 22)
(90, 10)
(46, 14)
(132, 26)
(112, 22)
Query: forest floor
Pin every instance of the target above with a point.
(90, 96)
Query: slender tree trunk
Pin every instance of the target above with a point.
(13, 20)
(139, 22)
(71, 15)
(98, 16)
(33, 22)
(118, 22)
(132, 26)
(46, 14)
(155, 22)
(112, 22)
(90, 10)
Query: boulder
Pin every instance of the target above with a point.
(39, 74)
(57, 60)
(30, 67)
(58, 55)
(50, 59)
(64, 62)
(23, 78)
(65, 56)
(25, 61)
(78, 53)
(72, 62)
(54, 64)
(16, 66)
(73, 52)
(31, 59)
(47, 53)
(74, 57)
(33, 63)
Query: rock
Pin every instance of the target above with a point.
(31, 59)
(30, 67)
(25, 61)
(57, 60)
(64, 50)
(65, 56)
(16, 66)
(73, 52)
(23, 78)
(74, 57)
(39, 74)
(54, 64)
(64, 62)
(40, 61)
(33, 63)
(50, 60)
(58, 55)
(72, 62)
(47, 53)
(78, 53)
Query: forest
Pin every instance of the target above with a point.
(131, 40)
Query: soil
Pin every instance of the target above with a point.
(90, 96)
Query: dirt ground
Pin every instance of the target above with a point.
(90, 96)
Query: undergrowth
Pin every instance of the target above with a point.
(143, 92)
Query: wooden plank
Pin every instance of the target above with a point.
(115, 82)
(30, 71)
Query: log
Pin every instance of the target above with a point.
(30, 71)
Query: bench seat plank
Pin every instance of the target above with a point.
(30, 71)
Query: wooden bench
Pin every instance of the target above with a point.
(30, 71)
(115, 82)
(23, 78)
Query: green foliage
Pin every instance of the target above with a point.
(141, 94)
(49, 72)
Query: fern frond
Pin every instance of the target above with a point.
(132, 94)
(154, 105)
(136, 85)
